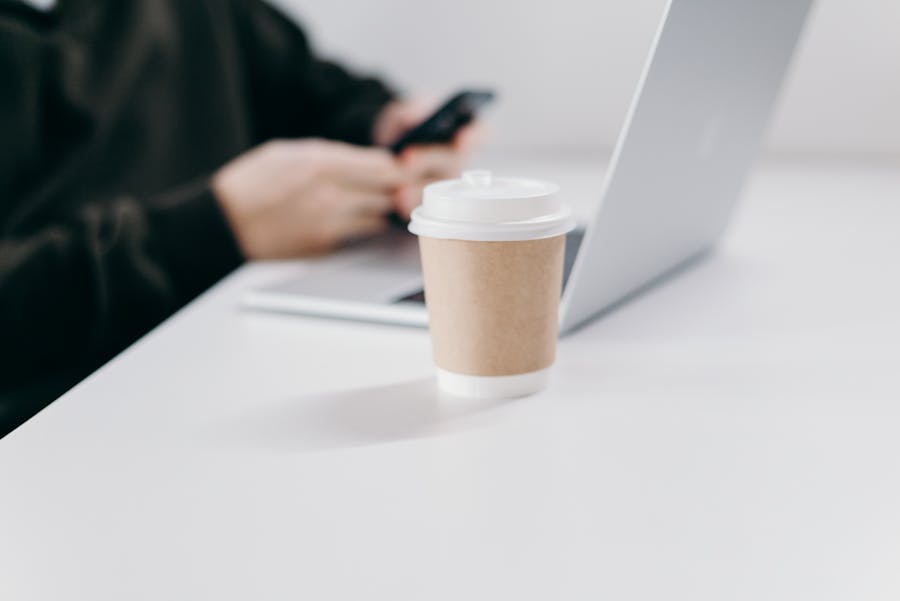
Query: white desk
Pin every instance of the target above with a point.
(734, 434)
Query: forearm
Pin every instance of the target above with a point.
(81, 290)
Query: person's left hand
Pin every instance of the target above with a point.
(423, 163)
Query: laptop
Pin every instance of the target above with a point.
(689, 139)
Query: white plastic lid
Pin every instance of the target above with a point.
(479, 206)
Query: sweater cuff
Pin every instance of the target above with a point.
(194, 237)
(356, 124)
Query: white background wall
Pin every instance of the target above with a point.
(566, 69)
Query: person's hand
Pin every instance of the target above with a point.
(399, 116)
(423, 163)
(293, 198)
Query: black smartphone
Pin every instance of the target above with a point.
(443, 124)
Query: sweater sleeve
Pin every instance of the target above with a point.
(295, 93)
(80, 284)
(83, 289)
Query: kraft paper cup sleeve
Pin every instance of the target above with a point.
(493, 306)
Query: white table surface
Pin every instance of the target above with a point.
(734, 434)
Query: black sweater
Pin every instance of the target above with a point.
(113, 114)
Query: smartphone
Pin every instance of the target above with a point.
(443, 124)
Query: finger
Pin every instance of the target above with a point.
(363, 167)
(470, 136)
(416, 110)
(399, 116)
(432, 162)
(364, 201)
(406, 199)
(360, 226)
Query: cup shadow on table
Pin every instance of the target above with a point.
(361, 417)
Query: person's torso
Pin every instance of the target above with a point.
(132, 98)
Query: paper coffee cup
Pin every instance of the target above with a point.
(492, 257)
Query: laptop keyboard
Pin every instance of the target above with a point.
(573, 243)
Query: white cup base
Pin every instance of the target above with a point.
(492, 387)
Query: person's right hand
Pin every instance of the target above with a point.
(289, 198)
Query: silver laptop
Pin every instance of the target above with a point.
(690, 136)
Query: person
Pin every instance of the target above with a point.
(149, 147)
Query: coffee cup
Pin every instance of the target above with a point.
(492, 257)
